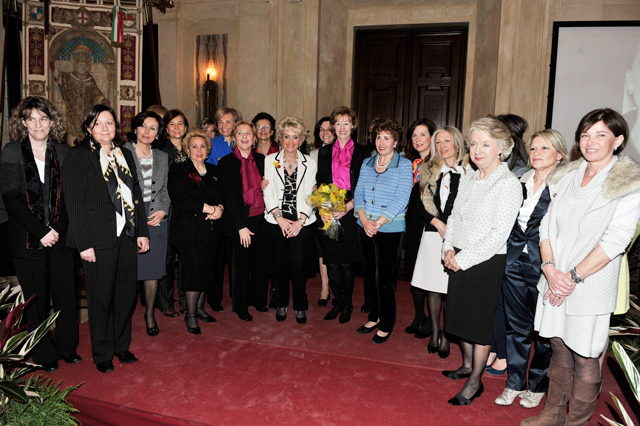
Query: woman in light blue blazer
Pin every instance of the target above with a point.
(381, 199)
(152, 168)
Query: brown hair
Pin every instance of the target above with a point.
(410, 152)
(18, 131)
(237, 116)
(392, 127)
(89, 120)
(344, 110)
(235, 130)
(612, 119)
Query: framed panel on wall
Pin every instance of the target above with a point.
(595, 65)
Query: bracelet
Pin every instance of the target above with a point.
(378, 223)
(276, 214)
(302, 220)
(575, 277)
(548, 262)
(214, 210)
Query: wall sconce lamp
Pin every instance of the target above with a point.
(210, 94)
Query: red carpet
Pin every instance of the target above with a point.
(265, 372)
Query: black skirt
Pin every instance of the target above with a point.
(346, 249)
(472, 299)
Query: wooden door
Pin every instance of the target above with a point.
(409, 73)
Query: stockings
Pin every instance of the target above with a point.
(195, 302)
(474, 359)
(586, 369)
(419, 297)
(150, 293)
(435, 303)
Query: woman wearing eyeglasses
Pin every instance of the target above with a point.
(265, 129)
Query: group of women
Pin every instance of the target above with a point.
(505, 253)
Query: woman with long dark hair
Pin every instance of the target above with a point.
(107, 222)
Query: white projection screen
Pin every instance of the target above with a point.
(595, 65)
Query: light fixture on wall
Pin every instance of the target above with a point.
(210, 94)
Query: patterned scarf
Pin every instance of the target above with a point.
(416, 169)
(251, 183)
(120, 184)
(35, 191)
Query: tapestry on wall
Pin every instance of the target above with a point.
(211, 59)
(73, 58)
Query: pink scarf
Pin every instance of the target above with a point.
(251, 181)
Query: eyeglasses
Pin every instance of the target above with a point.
(264, 126)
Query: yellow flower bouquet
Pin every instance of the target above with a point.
(329, 199)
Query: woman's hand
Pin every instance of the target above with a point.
(156, 218)
(340, 215)
(50, 239)
(143, 244)
(294, 229)
(284, 225)
(216, 214)
(450, 260)
(264, 183)
(370, 227)
(245, 237)
(560, 285)
(325, 219)
(440, 226)
(88, 255)
(206, 208)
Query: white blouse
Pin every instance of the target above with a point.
(483, 215)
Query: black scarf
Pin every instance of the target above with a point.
(49, 214)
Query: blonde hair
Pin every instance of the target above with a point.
(295, 123)
(497, 131)
(235, 130)
(555, 139)
(458, 142)
(197, 133)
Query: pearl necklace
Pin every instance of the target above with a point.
(144, 156)
(384, 165)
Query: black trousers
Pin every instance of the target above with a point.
(111, 290)
(380, 257)
(520, 296)
(51, 276)
(291, 260)
(164, 300)
(215, 294)
(499, 345)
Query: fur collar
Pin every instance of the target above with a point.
(429, 173)
(623, 178)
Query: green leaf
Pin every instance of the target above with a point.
(14, 341)
(611, 422)
(625, 416)
(630, 371)
(13, 391)
(38, 333)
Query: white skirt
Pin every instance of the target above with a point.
(430, 273)
(585, 335)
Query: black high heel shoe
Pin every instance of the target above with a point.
(204, 316)
(460, 400)
(345, 316)
(279, 316)
(442, 353)
(301, 319)
(151, 331)
(193, 330)
(378, 339)
(324, 302)
(413, 329)
(434, 349)
(333, 313)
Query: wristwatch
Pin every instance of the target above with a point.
(575, 277)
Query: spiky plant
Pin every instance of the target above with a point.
(631, 373)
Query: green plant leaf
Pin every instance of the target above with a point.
(13, 391)
(14, 341)
(611, 422)
(625, 416)
(630, 371)
(38, 333)
(34, 395)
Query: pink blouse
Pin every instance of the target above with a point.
(340, 164)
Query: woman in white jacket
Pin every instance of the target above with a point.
(590, 222)
(291, 176)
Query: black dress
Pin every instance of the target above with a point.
(196, 238)
(346, 249)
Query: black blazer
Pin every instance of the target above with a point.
(92, 217)
(21, 219)
(189, 226)
(443, 215)
(531, 237)
(325, 174)
(236, 214)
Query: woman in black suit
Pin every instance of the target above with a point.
(241, 173)
(439, 182)
(340, 163)
(106, 222)
(36, 232)
(418, 151)
(196, 198)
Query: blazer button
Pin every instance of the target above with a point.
(151, 209)
(153, 182)
(153, 201)
(371, 201)
(373, 189)
(135, 202)
(370, 216)
(153, 192)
